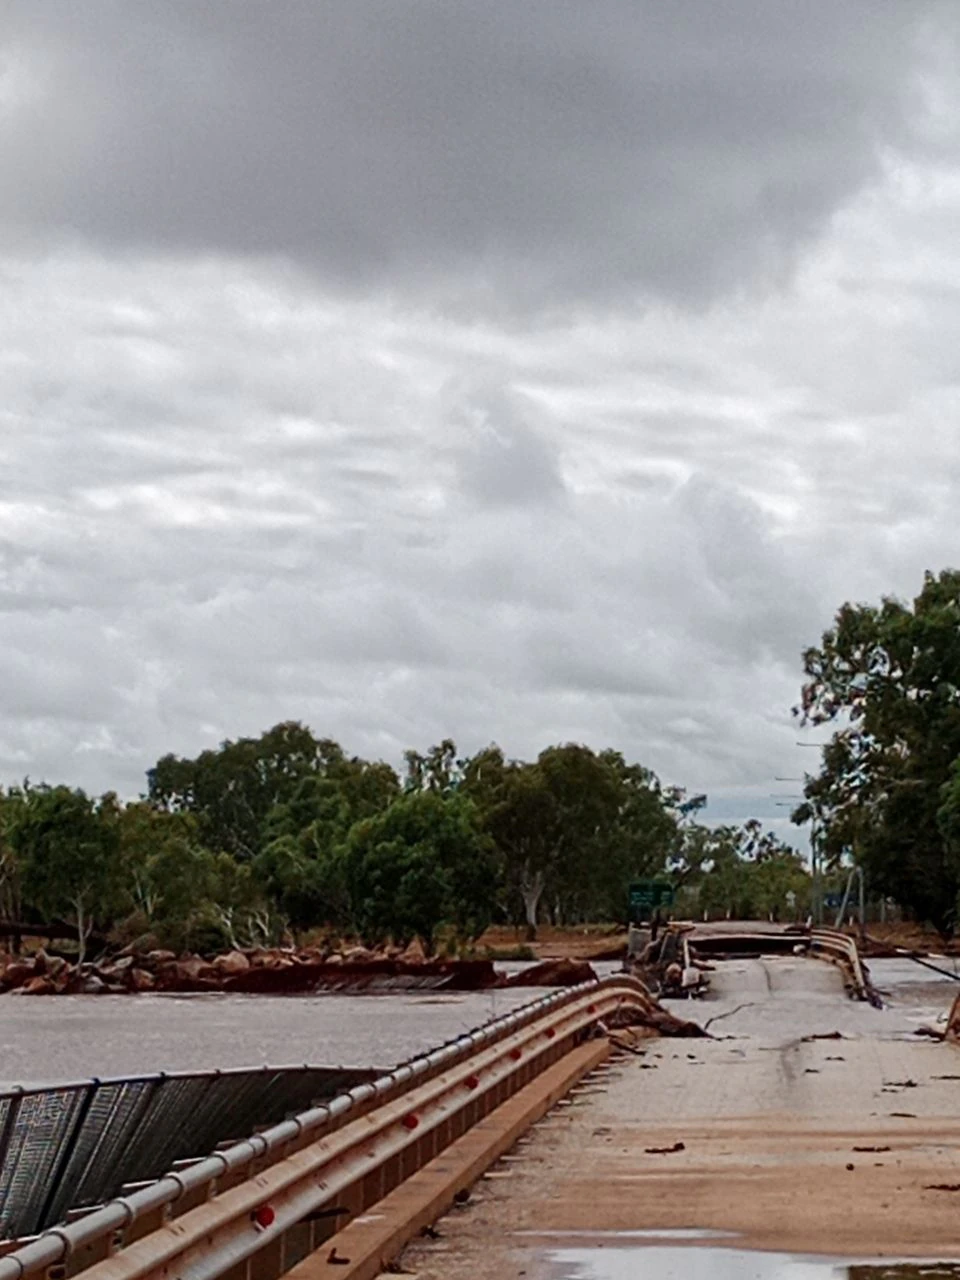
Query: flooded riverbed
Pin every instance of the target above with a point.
(52, 1040)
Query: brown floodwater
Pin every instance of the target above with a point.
(58, 1039)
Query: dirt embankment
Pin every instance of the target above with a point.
(585, 942)
(598, 942)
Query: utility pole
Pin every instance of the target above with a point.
(816, 904)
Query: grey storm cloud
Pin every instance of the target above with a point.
(519, 371)
(490, 154)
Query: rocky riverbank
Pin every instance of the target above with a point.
(275, 972)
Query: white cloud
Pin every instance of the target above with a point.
(231, 493)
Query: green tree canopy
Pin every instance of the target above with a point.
(235, 792)
(422, 863)
(888, 677)
(68, 849)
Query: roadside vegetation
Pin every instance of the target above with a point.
(886, 678)
(282, 835)
(277, 837)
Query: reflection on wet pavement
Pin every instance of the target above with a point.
(618, 1261)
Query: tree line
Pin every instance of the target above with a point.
(886, 679)
(265, 838)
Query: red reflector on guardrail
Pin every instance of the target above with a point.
(550, 1032)
(265, 1216)
(411, 1121)
(473, 1082)
(515, 1054)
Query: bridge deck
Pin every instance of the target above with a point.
(766, 1144)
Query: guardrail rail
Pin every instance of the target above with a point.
(258, 1207)
(840, 949)
(953, 1021)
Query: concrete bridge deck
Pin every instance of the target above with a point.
(804, 1143)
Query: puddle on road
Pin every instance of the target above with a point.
(617, 1261)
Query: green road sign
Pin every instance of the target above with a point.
(647, 896)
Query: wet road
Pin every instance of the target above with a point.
(833, 1130)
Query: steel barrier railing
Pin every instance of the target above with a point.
(840, 948)
(67, 1147)
(362, 1142)
(953, 1021)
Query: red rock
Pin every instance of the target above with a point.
(554, 973)
(231, 963)
(141, 980)
(414, 954)
(39, 986)
(161, 957)
(15, 975)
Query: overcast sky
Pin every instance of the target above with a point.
(493, 369)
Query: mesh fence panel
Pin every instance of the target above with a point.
(76, 1146)
(44, 1125)
(101, 1144)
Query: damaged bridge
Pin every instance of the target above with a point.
(830, 1108)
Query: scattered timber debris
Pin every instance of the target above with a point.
(652, 1015)
(667, 964)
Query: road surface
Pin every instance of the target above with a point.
(827, 1132)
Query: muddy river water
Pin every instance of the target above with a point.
(56, 1039)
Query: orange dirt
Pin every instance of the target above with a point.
(581, 943)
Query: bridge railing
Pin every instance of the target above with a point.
(325, 1164)
(953, 1021)
(841, 949)
(70, 1146)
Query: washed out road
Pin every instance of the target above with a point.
(808, 1123)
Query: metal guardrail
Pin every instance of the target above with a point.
(953, 1021)
(353, 1149)
(841, 949)
(75, 1145)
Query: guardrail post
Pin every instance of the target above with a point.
(269, 1263)
(953, 1021)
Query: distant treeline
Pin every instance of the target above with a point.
(274, 836)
